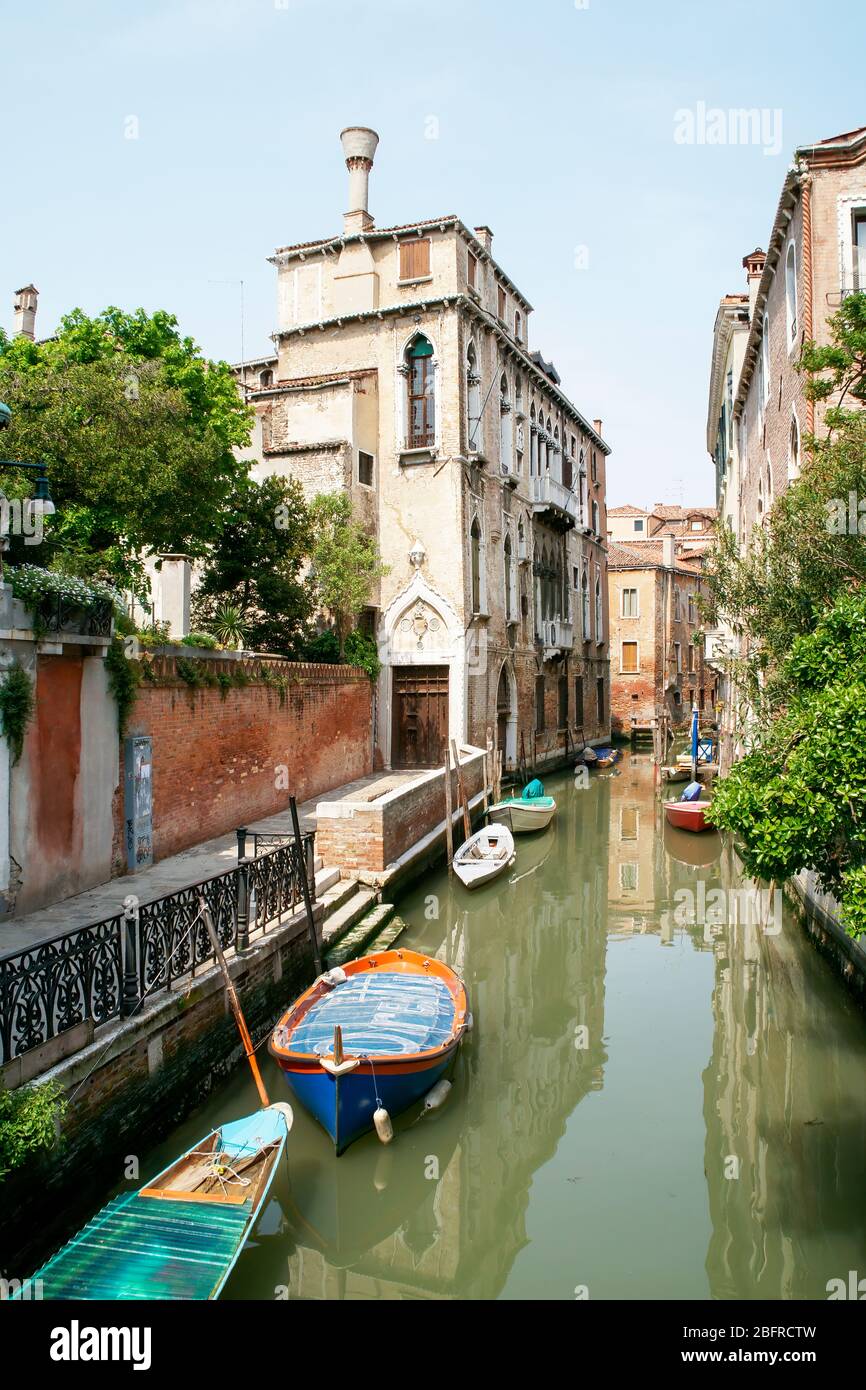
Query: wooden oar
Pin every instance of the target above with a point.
(234, 1001)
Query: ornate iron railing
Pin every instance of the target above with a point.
(52, 987)
(104, 971)
(58, 615)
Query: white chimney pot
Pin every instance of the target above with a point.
(359, 148)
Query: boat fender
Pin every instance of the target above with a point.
(334, 977)
(470, 1023)
(382, 1123)
(437, 1095)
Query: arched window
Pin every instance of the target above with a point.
(508, 578)
(794, 450)
(266, 379)
(791, 292)
(599, 617)
(420, 376)
(521, 540)
(518, 327)
(518, 394)
(473, 400)
(475, 560)
(505, 434)
(595, 519)
(584, 589)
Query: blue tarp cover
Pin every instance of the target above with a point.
(381, 1013)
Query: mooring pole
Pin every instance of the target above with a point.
(449, 821)
(305, 885)
(234, 1001)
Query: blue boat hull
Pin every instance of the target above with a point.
(344, 1105)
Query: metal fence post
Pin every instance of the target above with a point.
(129, 946)
(305, 885)
(241, 833)
(242, 939)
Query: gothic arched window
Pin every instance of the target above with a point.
(421, 400)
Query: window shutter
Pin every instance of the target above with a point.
(414, 258)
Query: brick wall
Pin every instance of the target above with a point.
(370, 836)
(220, 761)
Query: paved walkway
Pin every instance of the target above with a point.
(179, 871)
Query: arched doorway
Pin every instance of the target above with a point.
(506, 717)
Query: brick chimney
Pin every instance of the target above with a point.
(754, 267)
(359, 147)
(25, 312)
(485, 236)
(596, 425)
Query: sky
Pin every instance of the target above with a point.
(156, 153)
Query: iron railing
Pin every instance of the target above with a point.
(103, 972)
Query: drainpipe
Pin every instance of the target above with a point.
(807, 285)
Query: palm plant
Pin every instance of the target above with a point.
(229, 626)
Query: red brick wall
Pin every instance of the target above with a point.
(371, 836)
(220, 762)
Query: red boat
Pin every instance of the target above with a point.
(687, 815)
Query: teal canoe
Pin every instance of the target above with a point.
(179, 1236)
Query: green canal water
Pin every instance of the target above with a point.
(651, 1105)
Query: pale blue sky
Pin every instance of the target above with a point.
(556, 128)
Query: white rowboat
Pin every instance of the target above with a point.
(524, 814)
(484, 856)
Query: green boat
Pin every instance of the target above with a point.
(178, 1237)
(522, 814)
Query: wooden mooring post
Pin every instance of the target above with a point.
(461, 787)
(449, 822)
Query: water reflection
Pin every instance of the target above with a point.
(587, 1138)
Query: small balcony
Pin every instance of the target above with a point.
(557, 502)
(556, 637)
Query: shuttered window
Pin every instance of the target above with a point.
(502, 304)
(629, 663)
(414, 259)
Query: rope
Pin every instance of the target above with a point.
(367, 1058)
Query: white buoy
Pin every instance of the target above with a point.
(382, 1122)
(437, 1095)
(470, 1023)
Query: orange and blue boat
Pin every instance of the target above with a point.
(375, 1034)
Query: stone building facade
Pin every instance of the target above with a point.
(657, 655)
(404, 376)
(816, 256)
(758, 414)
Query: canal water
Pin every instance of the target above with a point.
(657, 1100)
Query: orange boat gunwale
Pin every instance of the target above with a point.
(400, 961)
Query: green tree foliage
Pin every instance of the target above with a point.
(797, 600)
(138, 431)
(28, 1117)
(256, 568)
(346, 563)
(798, 800)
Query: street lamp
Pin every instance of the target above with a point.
(42, 494)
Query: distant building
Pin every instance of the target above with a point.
(404, 376)
(657, 658)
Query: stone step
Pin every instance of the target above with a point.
(346, 917)
(385, 939)
(326, 880)
(354, 941)
(318, 863)
(337, 896)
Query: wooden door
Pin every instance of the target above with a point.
(420, 730)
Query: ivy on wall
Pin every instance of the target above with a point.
(16, 708)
